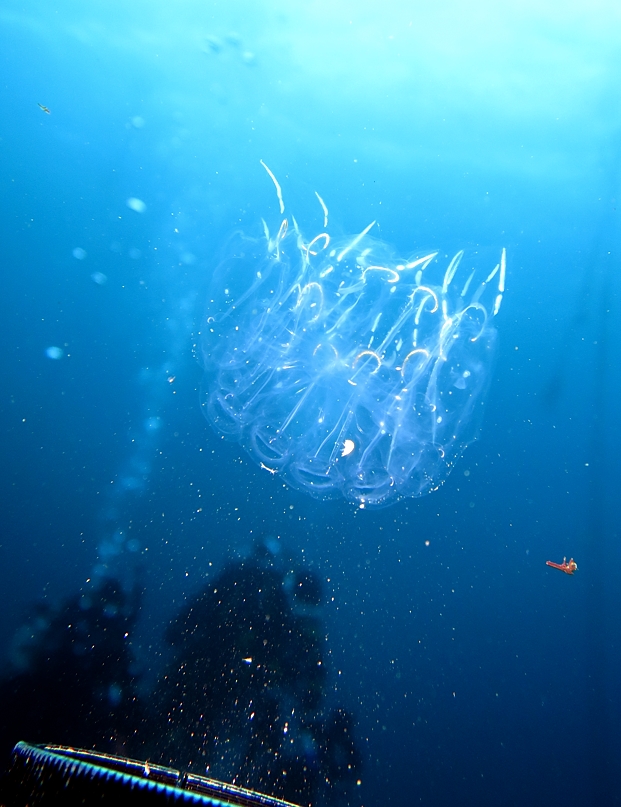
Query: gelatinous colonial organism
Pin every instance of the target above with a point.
(343, 370)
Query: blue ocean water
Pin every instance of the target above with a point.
(131, 140)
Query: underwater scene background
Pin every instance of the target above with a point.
(163, 596)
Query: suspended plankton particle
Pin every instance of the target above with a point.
(136, 204)
(54, 352)
(99, 278)
(79, 253)
(348, 447)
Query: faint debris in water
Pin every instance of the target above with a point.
(213, 44)
(233, 39)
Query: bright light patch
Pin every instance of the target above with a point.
(348, 447)
(136, 204)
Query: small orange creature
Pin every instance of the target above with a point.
(568, 568)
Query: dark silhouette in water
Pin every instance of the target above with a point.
(244, 698)
(69, 676)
